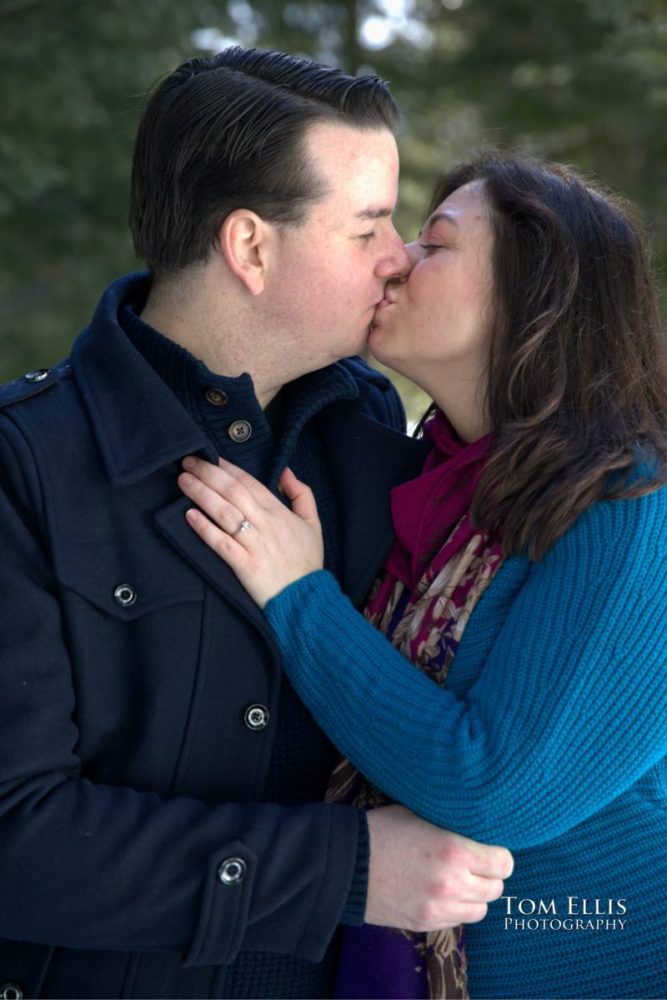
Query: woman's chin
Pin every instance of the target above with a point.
(381, 354)
(375, 345)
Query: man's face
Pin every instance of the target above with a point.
(331, 270)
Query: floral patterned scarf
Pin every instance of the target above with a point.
(433, 577)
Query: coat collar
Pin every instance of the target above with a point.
(138, 423)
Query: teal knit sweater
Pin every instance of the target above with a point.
(550, 738)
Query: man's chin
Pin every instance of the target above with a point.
(360, 346)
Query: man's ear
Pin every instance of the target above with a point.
(243, 242)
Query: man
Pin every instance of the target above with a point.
(162, 829)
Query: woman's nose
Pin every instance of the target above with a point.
(413, 251)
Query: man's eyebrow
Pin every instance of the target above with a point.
(375, 213)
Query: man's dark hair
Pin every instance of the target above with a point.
(228, 132)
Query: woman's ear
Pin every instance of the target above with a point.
(243, 243)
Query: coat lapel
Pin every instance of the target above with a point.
(366, 461)
(171, 523)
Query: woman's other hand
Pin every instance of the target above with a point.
(267, 545)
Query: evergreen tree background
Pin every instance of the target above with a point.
(584, 81)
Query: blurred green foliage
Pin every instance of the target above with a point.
(578, 80)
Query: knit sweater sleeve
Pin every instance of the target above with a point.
(568, 710)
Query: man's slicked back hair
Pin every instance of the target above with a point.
(228, 132)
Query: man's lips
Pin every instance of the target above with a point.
(388, 300)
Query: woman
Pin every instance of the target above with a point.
(527, 579)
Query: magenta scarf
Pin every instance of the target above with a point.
(426, 509)
(430, 584)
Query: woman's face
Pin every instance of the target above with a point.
(435, 325)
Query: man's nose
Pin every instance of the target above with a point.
(397, 263)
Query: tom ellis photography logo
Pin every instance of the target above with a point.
(573, 913)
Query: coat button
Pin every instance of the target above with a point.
(37, 376)
(216, 397)
(10, 991)
(256, 717)
(239, 431)
(125, 595)
(232, 871)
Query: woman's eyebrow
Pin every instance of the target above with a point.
(446, 216)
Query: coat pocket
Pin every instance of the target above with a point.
(127, 576)
(132, 615)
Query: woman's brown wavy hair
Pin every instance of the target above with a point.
(577, 389)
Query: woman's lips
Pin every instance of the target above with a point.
(382, 305)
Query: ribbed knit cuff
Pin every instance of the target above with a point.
(280, 609)
(355, 907)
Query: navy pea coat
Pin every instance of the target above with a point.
(133, 836)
